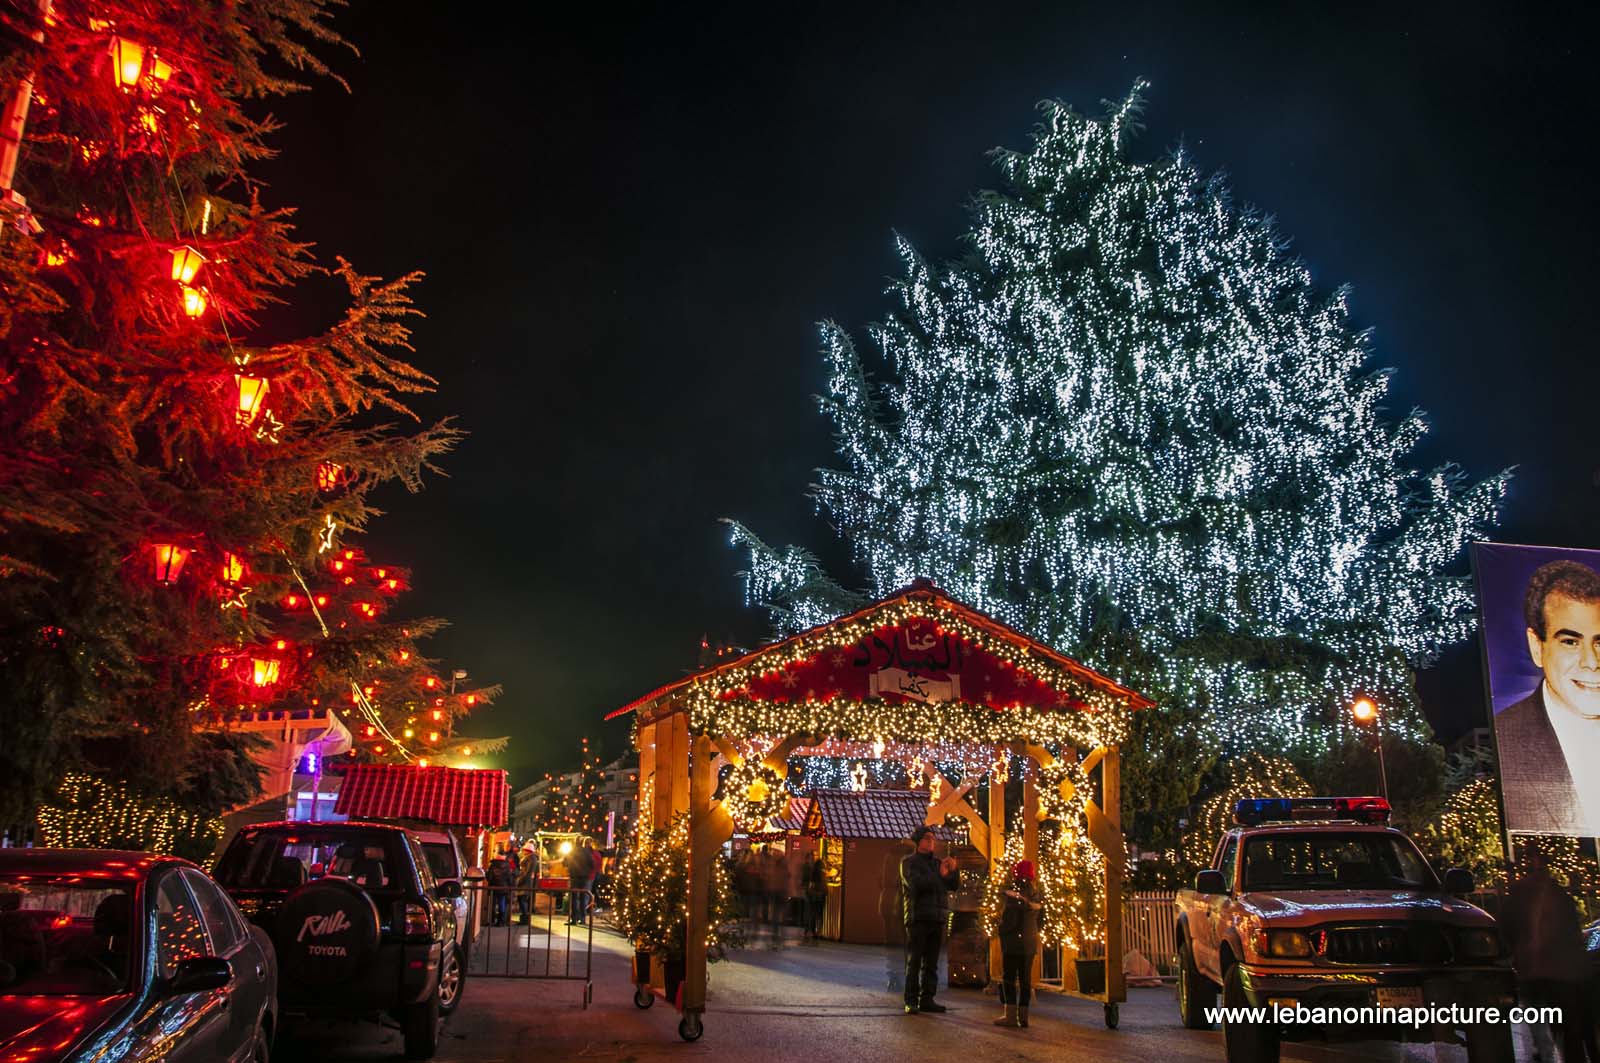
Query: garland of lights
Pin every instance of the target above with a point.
(753, 793)
(949, 721)
(1466, 833)
(1071, 866)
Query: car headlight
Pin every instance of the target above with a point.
(1478, 944)
(1286, 944)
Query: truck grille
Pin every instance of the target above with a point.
(1405, 944)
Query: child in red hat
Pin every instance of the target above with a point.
(1019, 942)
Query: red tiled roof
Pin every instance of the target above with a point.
(458, 797)
(794, 817)
(887, 814)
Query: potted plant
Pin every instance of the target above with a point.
(1091, 968)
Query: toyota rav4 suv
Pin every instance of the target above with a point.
(359, 923)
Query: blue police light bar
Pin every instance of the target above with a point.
(1254, 810)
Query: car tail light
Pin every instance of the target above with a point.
(419, 921)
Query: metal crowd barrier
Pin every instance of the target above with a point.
(527, 932)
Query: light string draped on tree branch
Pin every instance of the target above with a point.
(357, 695)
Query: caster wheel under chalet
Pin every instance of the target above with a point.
(690, 1028)
(1113, 1016)
(643, 998)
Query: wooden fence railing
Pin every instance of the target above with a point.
(1148, 923)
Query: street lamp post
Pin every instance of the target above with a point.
(1365, 710)
(455, 676)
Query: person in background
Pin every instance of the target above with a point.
(498, 875)
(925, 882)
(794, 889)
(581, 863)
(602, 883)
(816, 891)
(774, 891)
(591, 863)
(526, 879)
(889, 910)
(1540, 923)
(1018, 932)
(747, 881)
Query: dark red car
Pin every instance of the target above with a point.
(124, 956)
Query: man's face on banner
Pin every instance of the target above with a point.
(1569, 653)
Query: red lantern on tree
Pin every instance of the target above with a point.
(169, 559)
(263, 671)
(194, 301)
(186, 262)
(329, 473)
(127, 62)
(252, 389)
(232, 569)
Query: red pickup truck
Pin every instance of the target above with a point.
(1320, 913)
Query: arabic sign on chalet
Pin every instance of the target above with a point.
(915, 661)
(917, 646)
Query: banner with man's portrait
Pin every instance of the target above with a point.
(1541, 635)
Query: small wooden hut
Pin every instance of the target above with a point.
(912, 677)
(864, 834)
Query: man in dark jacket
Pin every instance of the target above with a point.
(924, 882)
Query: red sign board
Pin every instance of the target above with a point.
(915, 661)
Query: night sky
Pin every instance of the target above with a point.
(632, 221)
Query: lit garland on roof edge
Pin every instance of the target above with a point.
(1130, 425)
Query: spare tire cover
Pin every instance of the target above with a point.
(327, 931)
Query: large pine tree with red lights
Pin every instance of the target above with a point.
(167, 481)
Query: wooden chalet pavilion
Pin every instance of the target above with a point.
(916, 677)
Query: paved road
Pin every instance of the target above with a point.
(813, 1004)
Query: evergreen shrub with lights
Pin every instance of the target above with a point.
(651, 890)
(1128, 423)
(171, 469)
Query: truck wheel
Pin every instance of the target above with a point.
(1196, 992)
(1246, 1042)
(420, 1027)
(452, 980)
